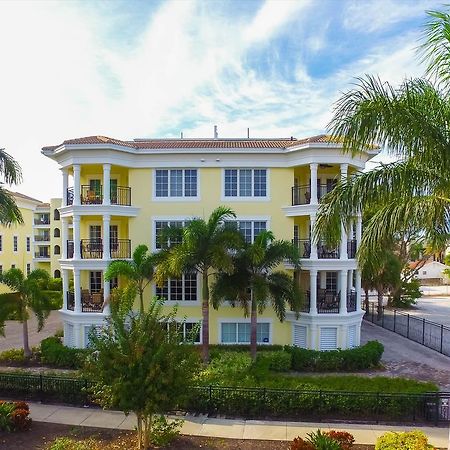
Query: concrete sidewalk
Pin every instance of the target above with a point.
(226, 428)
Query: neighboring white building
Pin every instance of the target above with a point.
(433, 273)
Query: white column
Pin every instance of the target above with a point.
(358, 230)
(64, 236)
(76, 237)
(344, 171)
(65, 287)
(313, 169)
(343, 288)
(106, 236)
(349, 280)
(65, 175)
(312, 219)
(76, 184)
(343, 254)
(358, 290)
(77, 289)
(313, 291)
(313, 338)
(106, 184)
(106, 294)
(323, 279)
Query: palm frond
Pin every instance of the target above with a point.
(9, 211)
(9, 168)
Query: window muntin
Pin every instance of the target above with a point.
(28, 243)
(1, 243)
(182, 289)
(239, 333)
(28, 269)
(95, 281)
(245, 183)
(160, 225)
(176, 183)
(15, 243)
(331, 281)
(189, 331)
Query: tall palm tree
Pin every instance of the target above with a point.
(139, 271)
(26, 295)
(205, 246)
(10, 173)
(254, 282)
(412, 122)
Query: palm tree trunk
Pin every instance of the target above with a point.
(205, 317)
(253, 325)
(366, 300)
(380, 304)
(26, 345)
(141, 300)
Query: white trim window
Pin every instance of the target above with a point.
(186, 329)
(28, 244)
(245, 183)
(28, 269)
(15, 243)
(1, 242)
(184, 289)
(177, 183)
(159, 227)
(239, 332)
(249, 228)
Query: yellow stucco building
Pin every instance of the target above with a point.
(119, 194)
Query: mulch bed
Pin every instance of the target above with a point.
(41, 434)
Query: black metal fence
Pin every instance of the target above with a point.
(418, 329)
(257, 402)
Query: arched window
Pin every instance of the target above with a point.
(57, 274)
(57, 250)
(56, 214)
(57, 233)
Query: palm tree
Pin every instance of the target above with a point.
(11, 173)
(139, 271)
(205, 246)
(26, 295)
(412, 122)
(254, 282)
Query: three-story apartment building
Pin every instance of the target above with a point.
(118, 194)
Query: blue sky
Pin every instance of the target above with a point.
(155, 68)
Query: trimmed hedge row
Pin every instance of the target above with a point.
(358, 358)
(55, 354)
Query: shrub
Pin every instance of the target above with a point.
(12, 355)
(345, 439)
(410, 440)
(14, 416)
(359, 358)
(331, 440)
(278, 361)
(65, 443)
(54, 353)
(59, 333)
(300, 444)
(164, 432)
(217, 350)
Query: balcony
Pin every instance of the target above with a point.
(328, 301)
(42, 220)
(42, 255)
(90, 301)
(351, 248)
(119, 195)
(301, 195)
(93, 249)
(304, 248)
(42, 238)
(351, 301)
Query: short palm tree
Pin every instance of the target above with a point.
(205, 247)
(26, 295)
(412, 122)
(139, 271)
(254, 283)
(11, 173)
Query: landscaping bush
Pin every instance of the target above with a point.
(55, 354)
(359, 358)
(14, 416)
(410, 440)
(12, 355)
(278, 361)
(329, 440)
(218, 349)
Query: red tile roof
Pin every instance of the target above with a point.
(143, 144)
(25, 197)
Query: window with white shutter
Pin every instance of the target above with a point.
(328, 338)
(69, 340)
(300, 336)
(351, 338)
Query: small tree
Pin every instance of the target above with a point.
(139, 271)
(139, 363)
(255, 282)
(26, 295)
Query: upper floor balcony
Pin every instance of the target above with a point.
(329, 301)
(301, 195)
(43, 219)
(90, 301)
(89, 195)
(94, 249)
(323, 252)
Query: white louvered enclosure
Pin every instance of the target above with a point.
(351, 336)
(69, 338)
(328, 338)
(300, 336)
(87, 331)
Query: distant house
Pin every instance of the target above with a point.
(432, 273)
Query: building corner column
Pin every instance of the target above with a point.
(313, 177)
(107, 184)
(106, 237)
(65, 176)
(76, 184)
(343, 292)
(312, 239)
(313, 292)
(65, 287)
(77, 290)
(76, 238)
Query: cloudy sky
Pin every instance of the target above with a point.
(130, 69)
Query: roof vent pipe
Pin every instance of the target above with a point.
(216, 134)
(248, 133)
(181, 135)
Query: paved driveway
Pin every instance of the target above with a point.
(403, 357)
(436, 309)
(13, 331)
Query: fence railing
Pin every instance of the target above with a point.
(418, 329)
(298, 405)
(119, 195)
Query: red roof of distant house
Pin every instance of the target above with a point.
(143, 144)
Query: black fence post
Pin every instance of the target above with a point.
(210, 400)
(395, 315)
(407, 328)
(41, 387)
(320, 405)
(377, 409)
(86, 399)
(382, 318)
(423, 331)
(436, 418)
(442, 338)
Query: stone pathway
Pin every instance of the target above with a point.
(226, 428)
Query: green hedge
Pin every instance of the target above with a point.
(278, 361)
(358, 358)
(55, 354)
